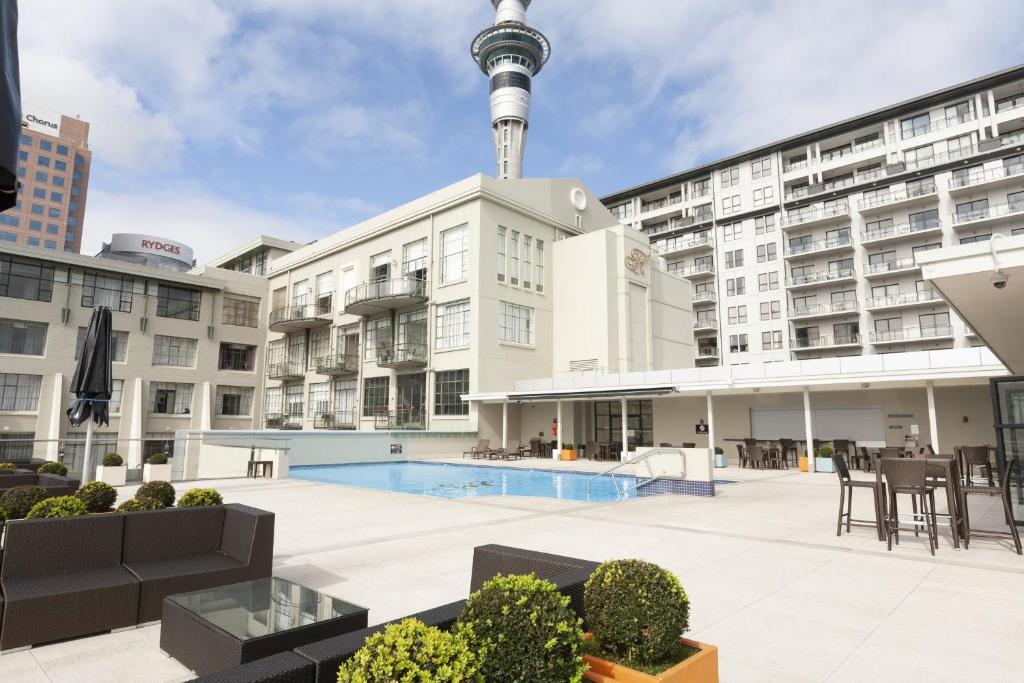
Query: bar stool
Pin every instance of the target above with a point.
(1003, 492)
(846, 486)
(909, 476)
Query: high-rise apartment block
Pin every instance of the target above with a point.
(805, 247)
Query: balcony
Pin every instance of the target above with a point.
(898, 197)
(705, 325)
(285, 370)
(935, 126)
(291, 421)
(687, 243)
(977, 179)
(338, 364)
(824, 310)
(339, 419)
(301, 316)
(817, 247)
(991, 214)
(904, 300)
(1015, 139)
(707, 353)
(402, 356)
(694, 270)
(1009, 103)
(808, 217)
(824, 342)
(821, 277)
(385, 295)
(912, 334)
(897, 232)
(893, 267)
(705, 297)
(409, 418)
(852, 150)
(664, 202)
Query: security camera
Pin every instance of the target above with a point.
(999, 279)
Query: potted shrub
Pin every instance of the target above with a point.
(568, 451)
(7, 467)
(200, 497)
(637, 614)
(160, 490)
(720, 459)
(411, 651)
(136, 504)
(61, 506)
(113, 470)
(54, 467)
(823, 463)
(156, 468)
(20, 499)
(524, 630)
(98, 496)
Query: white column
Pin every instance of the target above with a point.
(711, 427)
(808, 429)
(135, 431)
(504, 424)
(53, 432)
(204, 414)
(992, 113)
(933, 420)
(558, 431)
(625, 433)
(979, 118)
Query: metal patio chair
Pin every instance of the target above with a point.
(1003, 492)
(846, 486)
(909, 476)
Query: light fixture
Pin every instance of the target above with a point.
(864, 385)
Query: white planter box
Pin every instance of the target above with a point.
(115, 476)
(156, 472)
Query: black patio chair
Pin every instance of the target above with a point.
(846, 486)
(1003, 492)
(909, 476)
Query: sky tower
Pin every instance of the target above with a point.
(510, 53)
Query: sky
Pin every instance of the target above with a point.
(213, 121)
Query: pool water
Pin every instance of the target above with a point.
(446, 480)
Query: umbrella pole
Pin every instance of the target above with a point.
(87, 459)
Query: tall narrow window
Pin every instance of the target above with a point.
(452, 324)
(539, 280)
(501, 254)
(514, 258)
(527, 260)
(454, 254)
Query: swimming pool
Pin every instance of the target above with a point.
(446, 480)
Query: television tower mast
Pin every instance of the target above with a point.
(510, 53)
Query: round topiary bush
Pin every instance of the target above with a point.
(825, 451)
(157, 459)
(411, 651)
(636, 611)
(112, 460)
(20, 499)
(196, 498)
(61, 506)
(136, 504)
(7, 466)
(97, 496)
(53, 467)
(161, 490)
(524, 630)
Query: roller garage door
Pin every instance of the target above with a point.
(860, 423)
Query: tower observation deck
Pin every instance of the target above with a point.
(511, 54)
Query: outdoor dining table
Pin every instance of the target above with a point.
(940, 467)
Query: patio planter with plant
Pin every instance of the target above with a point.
(160, 490)
(156, 468)
(412, 651)
(7, 467)
(138, 504)
(568, 451)
(823, 463)
(53, 467)
(637, 613)
(200, 497)
(113, 470)
(720, 459)
(97, 496)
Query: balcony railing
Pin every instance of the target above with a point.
(993, 211)
(707, 352)
(899, 195)
(693, 269)
(850, 150)
(289, 420)
(808, 215)
(708, 296)
(705, 324)
(700, 194)
(339, 419)
(940, 124)
(926, 295)
(980, 177)
(670, 200)
(338, 364)
(402, 354)
(677, 244)
(1008, 103)
(831, 308)
(820, 276)
(900, 230)
(408, 418)
(912, 334)
(818, 245)
(796, 166)
(396, 292)
(297, 315)
(286, 369)
(824, 341)
(905, 263)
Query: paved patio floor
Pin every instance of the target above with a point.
(769, 582)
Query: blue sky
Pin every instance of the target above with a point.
(216, 120)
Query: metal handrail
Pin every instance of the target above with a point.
(619, 493)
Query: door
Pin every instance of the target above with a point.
(412, 392)
(1008, 411)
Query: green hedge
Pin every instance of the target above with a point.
(112, 460)
(20, 499)
(161, 490)
(136, 504)
(53, 467)
(200, 497)
(411, 651)
(61, 506)
(97, 496)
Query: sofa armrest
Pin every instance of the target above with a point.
(248, 536)
(491, 560)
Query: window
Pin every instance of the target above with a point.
(455, 254)
(37, 209)
(300, 293)
(527, 260)
(771, 340)
(975, 238)
(412, 332)
(45, 145)
(514, 258)
(233, 401)
(176, 351)
(738, 343)
(915, 125)
(378, 335)
(273, 400)
(735, 286)
(319, 345)
(118, 344)
(58, 180)
(732, 231)
(702, 213)
(1015, 200)
(764, 224)
(116, 392)
(293, 400)
(170, 398)
(39, 193)
(240, 357)
(767, 281)
(886, 327)
(960, 146)
(50, 244)
(375, 395)
(730, 204)
(764, 196)
(24, 279)
(766, 252)
(453, 324)
(730, 177)
(761, 168)
(53, 212)
(52, 228)
(345, 400)
(414, 259)
(934, 324)
(449, 387)
(515, 323)
(41, 177)
(112, 291)
(501, 254)
(737, 315)
(734, 259)
(26, 140)
(178, 302)
(639, 422)
(622, 211)
(771, 310)
(924, 220)
(19, 392)
(240, 312)
(380, 267)
(919, 156)
(539, 280)
(56, 196)
(958, 113)
(319, 398)
(62, 150)
(22, 337)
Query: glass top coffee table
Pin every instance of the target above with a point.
(214, 629)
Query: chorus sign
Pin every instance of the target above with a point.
(637, 261)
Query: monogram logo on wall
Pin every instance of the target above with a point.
(637, 260)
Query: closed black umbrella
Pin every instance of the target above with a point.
(10, 103)
(92, 383)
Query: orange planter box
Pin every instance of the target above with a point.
(700, 668)
(568, 455)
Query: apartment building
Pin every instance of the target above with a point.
(805, 248)
(188, 352)
(256, 256)
(53, 170)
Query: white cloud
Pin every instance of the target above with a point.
(345, 128)
(581, 165)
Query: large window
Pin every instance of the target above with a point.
(112, 291)
(240, 312)
(293, 400)
(19, 392)
(639, 422)
(22, 337)
(319, 345)
(273, 401)
(170, 398)
(23, 279)
(516, 323)
(378, 335)
(176, 351)
(412, 330)
(375, 395)
(449, 387)
(454, 254)
(178, 302)
(235, 400)
(118, 344)
(414, 259)
(319, 398)
(452, 324)
(241, 357)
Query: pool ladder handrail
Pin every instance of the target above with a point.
(643, 457)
